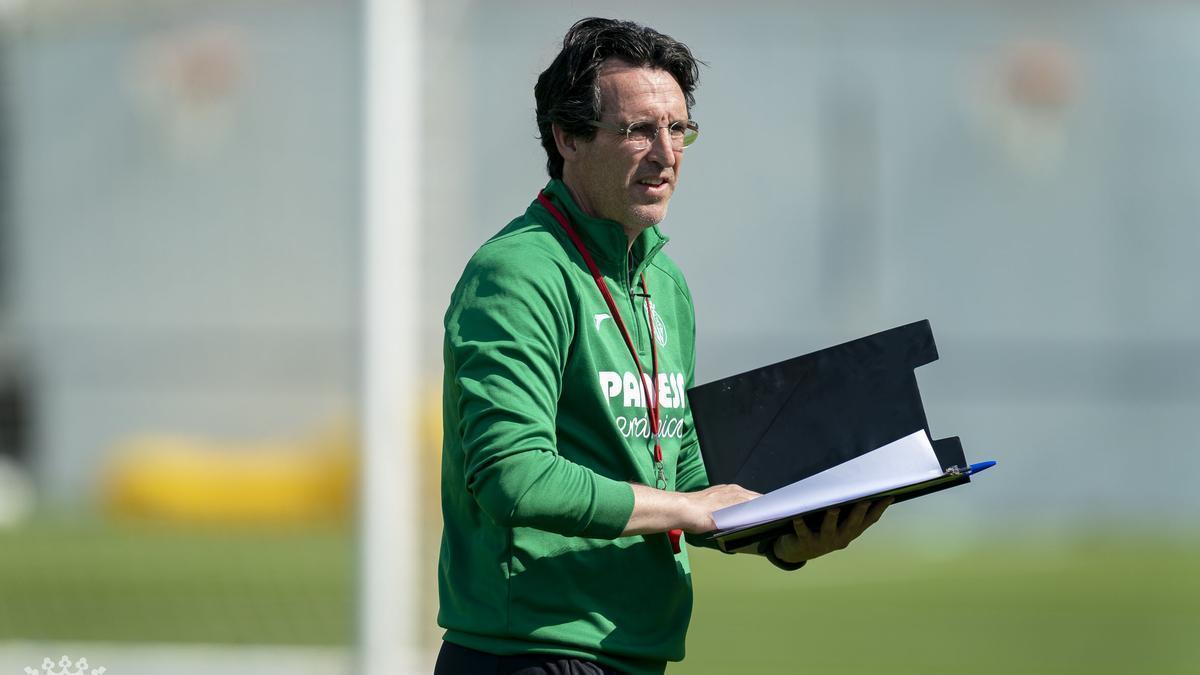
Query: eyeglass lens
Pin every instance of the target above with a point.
(644, 133)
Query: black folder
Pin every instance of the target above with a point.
(775, 425)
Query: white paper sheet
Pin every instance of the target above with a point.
(899, 463)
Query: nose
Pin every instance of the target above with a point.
(661, 151)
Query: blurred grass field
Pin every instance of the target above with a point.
(1011, 605)
(1005, 606)
(103, 581)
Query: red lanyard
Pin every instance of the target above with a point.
(652, 410)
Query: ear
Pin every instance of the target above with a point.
(568, 145)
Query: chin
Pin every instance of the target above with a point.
(649, 215)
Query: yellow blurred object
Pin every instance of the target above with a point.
(195, 480)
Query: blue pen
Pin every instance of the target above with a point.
(980, 466)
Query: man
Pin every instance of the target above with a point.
(570, 461)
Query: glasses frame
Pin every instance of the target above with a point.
(690, 134)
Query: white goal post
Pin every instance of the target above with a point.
(388, 633)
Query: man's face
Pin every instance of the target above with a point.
(609, 177)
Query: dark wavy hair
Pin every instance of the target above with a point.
(567, 92)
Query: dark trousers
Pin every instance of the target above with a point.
(457, 660)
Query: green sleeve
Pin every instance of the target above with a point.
(509, 330)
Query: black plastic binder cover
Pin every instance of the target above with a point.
(775, 425)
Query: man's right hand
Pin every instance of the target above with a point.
(660, 511)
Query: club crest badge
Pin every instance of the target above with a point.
(660, 326)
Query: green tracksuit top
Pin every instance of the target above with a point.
(544, 429)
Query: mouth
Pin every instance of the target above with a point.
(653, 186)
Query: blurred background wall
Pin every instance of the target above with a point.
(178, 331)
(180, 219)
(183, 223)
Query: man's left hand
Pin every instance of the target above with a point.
(806, 545)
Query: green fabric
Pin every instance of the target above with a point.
(543, 432)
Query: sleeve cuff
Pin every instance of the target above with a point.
(612, 510)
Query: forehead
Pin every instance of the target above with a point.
(632, 92)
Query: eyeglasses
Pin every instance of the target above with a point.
(642, 134)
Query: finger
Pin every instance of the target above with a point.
(854, 523)
(803, 534)
(829, 525)
(877, 510)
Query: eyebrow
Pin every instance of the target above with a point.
(670, 121)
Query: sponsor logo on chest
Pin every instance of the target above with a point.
(632, 391)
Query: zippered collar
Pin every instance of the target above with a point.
(605, 239)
